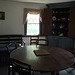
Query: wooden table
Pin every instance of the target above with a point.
(57, 60)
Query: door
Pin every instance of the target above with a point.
(71, 32)
(47, 21)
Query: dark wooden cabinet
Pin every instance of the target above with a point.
(59, 22)
(71, 32)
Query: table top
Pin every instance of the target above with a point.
(57, 59)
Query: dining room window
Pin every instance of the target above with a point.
(32, 22)
(33, 27)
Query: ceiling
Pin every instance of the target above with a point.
(41, 1)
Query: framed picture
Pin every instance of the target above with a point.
(2, 15)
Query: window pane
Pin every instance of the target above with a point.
(33, 18)
(32, 29)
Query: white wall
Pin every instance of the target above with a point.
(13, 23)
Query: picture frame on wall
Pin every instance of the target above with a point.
(2, 15)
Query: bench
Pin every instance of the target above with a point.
(5, 41)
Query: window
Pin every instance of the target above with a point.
(33, 24)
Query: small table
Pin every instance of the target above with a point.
(57, 60)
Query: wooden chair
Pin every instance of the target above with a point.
(42, 42)
(20, 68)
(11, 47)
(33, 40)
(5, 48)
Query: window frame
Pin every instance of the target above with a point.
(25, 21)
(33, 23)
(40, 29)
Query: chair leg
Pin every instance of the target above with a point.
(57, 73)
(9, 67)
(13, 73)
(9, 70)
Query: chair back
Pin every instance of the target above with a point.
(33, 40)
(20, 68)
(42, 42)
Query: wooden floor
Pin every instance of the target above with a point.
(4, 71)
